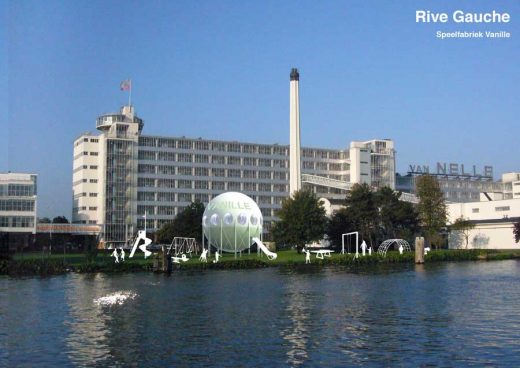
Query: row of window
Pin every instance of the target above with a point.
(16, 221)
(17, 190)
(215, 185)
(202, 197)
(201, 145)
(84, 208)
(174, 210)
(217, 172)
(16, 205)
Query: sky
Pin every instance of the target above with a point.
(220, 70)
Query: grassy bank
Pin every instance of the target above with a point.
(36, 264)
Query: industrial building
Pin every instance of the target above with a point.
(122, 178)
(18, 205)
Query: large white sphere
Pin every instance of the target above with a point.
(230, 221)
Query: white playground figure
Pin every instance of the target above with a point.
(401, 249)
(204, 256)
(122, 255)
(363, 248)
(426, 250)
(307, 256)
(369, 251)
(141, 235)
(217, 256)
(115, 255)
(182, 258)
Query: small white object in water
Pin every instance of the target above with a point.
(116, 298)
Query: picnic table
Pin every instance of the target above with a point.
(322, 253)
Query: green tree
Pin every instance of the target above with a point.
(341, 222)
(187, 224)
(432, 208)
(362, 207)
(397, 219)
(60, 220)
(376, 215)
(464, 226)
(516, 231)
(301, 220)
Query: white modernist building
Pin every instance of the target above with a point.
(121, 176)
(18, 205)
(493, 218)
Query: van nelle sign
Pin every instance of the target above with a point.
(444, 168)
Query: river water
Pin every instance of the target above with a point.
(450, 314)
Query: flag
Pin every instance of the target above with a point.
(126, 85)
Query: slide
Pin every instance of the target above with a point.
(263, 248)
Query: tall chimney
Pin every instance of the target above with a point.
(294, 141)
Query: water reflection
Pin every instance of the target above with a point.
(298, 314)
(442, 315)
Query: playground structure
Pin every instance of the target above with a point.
(383, 248)
(349, 237)
(231, 223)
(182, 245)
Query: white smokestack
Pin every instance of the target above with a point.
(294, 142)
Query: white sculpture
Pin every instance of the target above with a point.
(217, 256)
(204, 256)
(426, 250)
(363, 248)
(182, 258)
(369, 251)
(116, 255)
(307, 256)
(141, 235)
(401, 249)
(122, 255)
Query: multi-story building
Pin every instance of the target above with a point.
(466, 188)
(18, 204)
(122, 178)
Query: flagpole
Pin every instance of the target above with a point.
(130, 94)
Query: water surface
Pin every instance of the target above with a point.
(450, 314)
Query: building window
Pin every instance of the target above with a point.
(250, 174)
(92, 195)
(233, 185)
(264, 162)
(221, 160)
(502, 208)
(169, 156)
(185, 184)
(233, 147)
(200, 184)
(264, 174)
(93, 153)
(218, 172)
(250, 187)
(202, 145)
(309, 165)
(201, 158)
(264, 150)
(249, 161)
(166, 183)
(218, 146)
(218, 185)
(93, 181)
(233, 173)
(185, 170)
(184, 197)
(232, 160)
(201, 171)
(264, 187)
(93, 167)
(92, 208)
(475, 210)
(146, 155)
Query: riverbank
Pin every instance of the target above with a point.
(36, 264)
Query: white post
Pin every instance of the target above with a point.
(235, 230)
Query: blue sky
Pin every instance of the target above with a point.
(220, 69)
